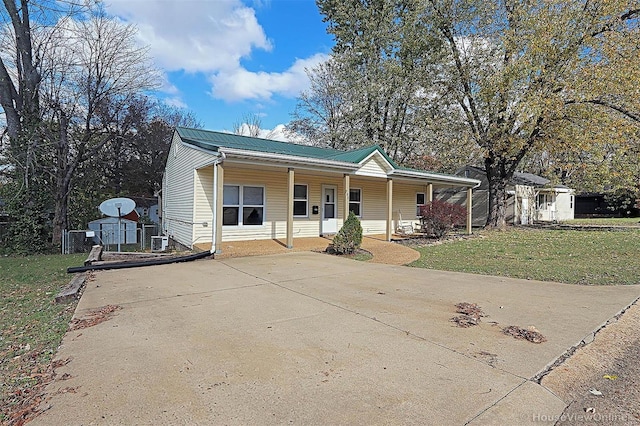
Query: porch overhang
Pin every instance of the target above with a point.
(287, 160)
(435, 178)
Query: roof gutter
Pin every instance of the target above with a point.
(289, 159)
(471, 183)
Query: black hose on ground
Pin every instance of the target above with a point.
(123, 265)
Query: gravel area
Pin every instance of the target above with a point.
(600, 382)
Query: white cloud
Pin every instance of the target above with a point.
(195, 36)
(212, 37)
(175, 101)
(239, 83)
(278, 133)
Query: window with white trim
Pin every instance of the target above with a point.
(242, 205)
(420, 201)
(355, 201)
(300, 201)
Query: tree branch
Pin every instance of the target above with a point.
(622, 110)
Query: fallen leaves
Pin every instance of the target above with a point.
(94, 317)
(471, 314)
(27, 402)
(530, 334)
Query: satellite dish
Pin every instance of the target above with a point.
(117, 207)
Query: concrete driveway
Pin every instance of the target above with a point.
(307, 338)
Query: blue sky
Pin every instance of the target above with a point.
(223, 59)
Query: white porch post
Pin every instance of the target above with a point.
(290, 185)
(219, 202)
(389, 232)
(469, 210)
(346, 183)
(429, 193)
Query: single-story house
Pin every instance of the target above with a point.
(529, 198)
(223, 187)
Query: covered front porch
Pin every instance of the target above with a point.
(301, 202)
(383, 251)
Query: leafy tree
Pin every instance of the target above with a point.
(516, 77)
(372, 90)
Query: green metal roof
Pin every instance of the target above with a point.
(357, 155)
(213, 141)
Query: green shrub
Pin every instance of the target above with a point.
(349, 237)
(438, 217)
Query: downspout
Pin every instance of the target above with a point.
(214, 219)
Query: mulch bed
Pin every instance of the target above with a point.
(423, 241)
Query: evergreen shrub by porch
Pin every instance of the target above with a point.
(438, 217)
(349, 237)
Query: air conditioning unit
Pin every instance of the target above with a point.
(159, 243)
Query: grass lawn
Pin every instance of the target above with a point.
(577, 257)
(31, 324)
(615, 221)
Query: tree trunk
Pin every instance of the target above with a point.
(63, 182)
(60, 222)
(498, 178)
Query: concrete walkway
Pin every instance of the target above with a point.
(382, 250)
(306, 338)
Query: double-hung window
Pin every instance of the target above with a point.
(420, 201)
(242, 205)
(355, 201)
(300, 201)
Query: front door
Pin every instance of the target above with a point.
(329, 210)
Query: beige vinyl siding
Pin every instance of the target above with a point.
(275, 216)
(203, 202)
(374, 166)
(404, 201)
(179, 188)
(374, 204)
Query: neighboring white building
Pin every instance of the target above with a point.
(555, 204)
(530, 198)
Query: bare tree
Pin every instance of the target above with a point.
(63, 87)
(101, 70)
(248, 125)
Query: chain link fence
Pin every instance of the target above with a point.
(145, 232)
(80, 241)
(77, 241)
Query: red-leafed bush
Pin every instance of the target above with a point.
(438, 217)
